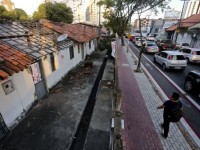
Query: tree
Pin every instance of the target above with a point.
(57, 12)
(121, 11)
(20, 14)
(5, 15)
(16, 14)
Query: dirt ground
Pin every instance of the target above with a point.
(52, 123)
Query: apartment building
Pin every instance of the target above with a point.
(191, 7)
(8, 4)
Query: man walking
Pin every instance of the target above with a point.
(172, 112)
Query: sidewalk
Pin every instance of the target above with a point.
(141, 117)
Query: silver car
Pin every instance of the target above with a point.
(191, 54)
(151, 47)
(171, 60)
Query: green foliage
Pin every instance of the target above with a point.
(20, 14)
(105, 43)
(121, 11)
(16, 14)
(57, 12)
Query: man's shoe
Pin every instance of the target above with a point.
(164, 136)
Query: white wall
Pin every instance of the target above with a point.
(184, 38)
(62, 64)
(13, 105)
(90, 50)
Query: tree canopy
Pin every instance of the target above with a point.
(20, 14)
(16, 14)
(57, 12)
(121, 11)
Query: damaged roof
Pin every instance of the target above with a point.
(187, 22)
(78, 32)
(12, 61)
(34, 40)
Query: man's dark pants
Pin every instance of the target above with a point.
(166, 125)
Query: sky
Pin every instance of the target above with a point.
(31, 5)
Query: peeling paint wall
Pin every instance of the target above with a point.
(17, 102)
(63, 64)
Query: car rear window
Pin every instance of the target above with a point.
(151, 44)
(178, 57)
(166, 41)
(185, 44)
(198, 52)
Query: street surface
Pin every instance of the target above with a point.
(171, 81)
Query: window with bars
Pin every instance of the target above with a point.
(78, 48)
(71, 52)
(52, 61)
(89, 44)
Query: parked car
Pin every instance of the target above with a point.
(151, 37)
(180, 45)
(165, 44)
(138, 42)
(151, 47)
(136, 39)
(192, 82)
(171, 60)
(191, 54)
(137, 33)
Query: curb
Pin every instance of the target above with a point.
(162, 95)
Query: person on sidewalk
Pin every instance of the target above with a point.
(169, 106)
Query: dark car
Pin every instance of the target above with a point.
(192, 82)
(165, 44)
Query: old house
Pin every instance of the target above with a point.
(186, 31)
(17, 90)
(33, 58)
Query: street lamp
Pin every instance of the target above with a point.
(179, 22)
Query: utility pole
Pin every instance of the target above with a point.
(179, 22)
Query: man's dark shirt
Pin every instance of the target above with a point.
(170, 105)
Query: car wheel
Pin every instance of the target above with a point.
(188, 85)
(164, 67)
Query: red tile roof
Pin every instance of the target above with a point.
(78, 32)
(12, 61)
(188, 22)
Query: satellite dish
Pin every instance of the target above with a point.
(62, 37)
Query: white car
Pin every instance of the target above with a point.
(171, 60)
(151, 37)
(191, 54)
(138, 42)
(180, 45)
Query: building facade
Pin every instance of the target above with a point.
(95, 13)
(191, 7)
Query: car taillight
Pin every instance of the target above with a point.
(194, 53)
(170, 57)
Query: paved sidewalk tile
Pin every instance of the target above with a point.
(175, 140)
(140, 133)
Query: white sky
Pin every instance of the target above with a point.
(174, 4)
(31, 5)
